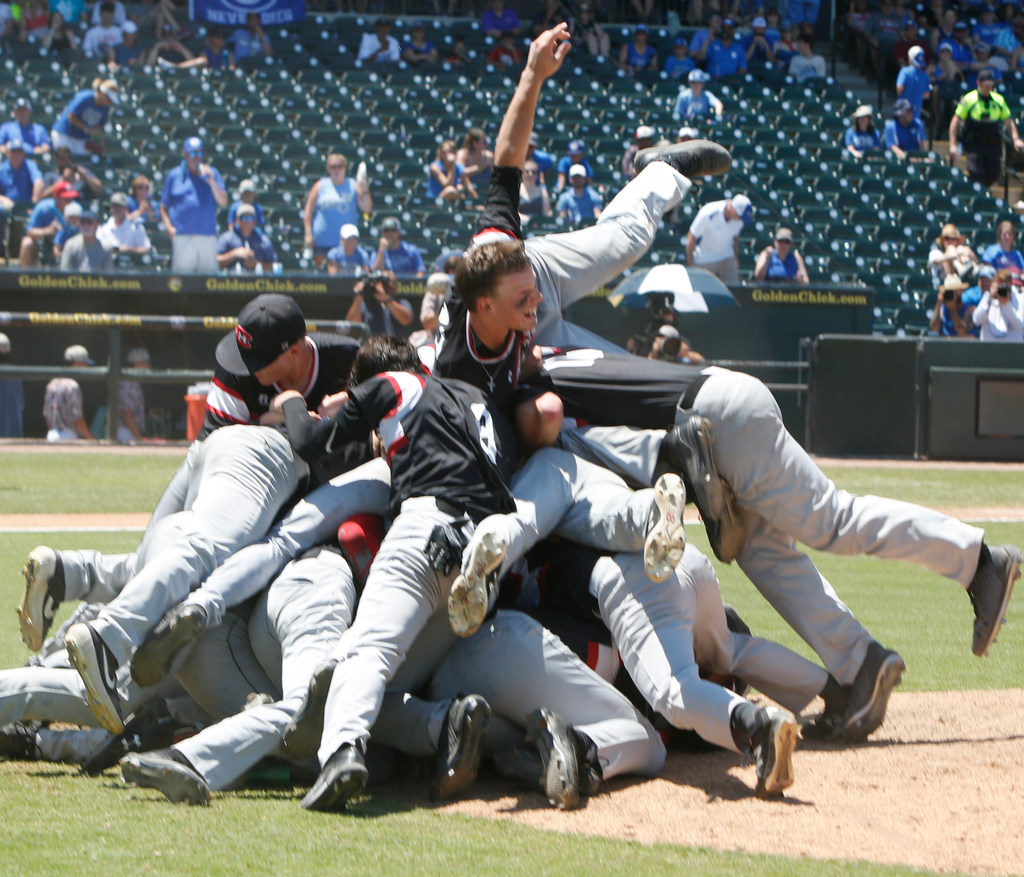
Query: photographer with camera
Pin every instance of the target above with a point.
(952, 317)
(375, 305)
(1001, 311)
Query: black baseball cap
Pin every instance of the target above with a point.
(267, 327)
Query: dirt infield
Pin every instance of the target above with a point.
(939, 786)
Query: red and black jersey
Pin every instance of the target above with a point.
(442, 438)
(242, 399)
(461, 355)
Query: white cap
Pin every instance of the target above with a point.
(137, 355)
(687, 132)
(759, 22)
(129, 27)
(72, 209)
(348, 231)
(76, 353)
(668, 331)
(5, 343)
(645, 132)
(439, 283)
(247, 186)
(577, 170)
(741, 204)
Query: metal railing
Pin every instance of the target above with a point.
(114, 373)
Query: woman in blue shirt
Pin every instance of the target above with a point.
(1005, 254)
(781, 262)
(80, 126)
(861, 136)
(332, 202)
(638, 55)
(448, 178)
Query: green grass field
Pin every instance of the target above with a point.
(59, 822)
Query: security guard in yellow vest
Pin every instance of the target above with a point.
(979, 116)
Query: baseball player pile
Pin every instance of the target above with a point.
(474, 553)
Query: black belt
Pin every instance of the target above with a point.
(690, 395)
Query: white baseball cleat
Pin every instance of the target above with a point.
(470, 596)
(666, 538)
(44, 591)
(97, 666)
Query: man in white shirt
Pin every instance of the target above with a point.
(805, 64)
(119, 232)
(100, 37)
(713, 240)
(380, 47)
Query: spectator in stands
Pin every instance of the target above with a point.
(439, 285)
(912, 82)
(32, 135)
(542, 158)
(679, 63)
(119, 233)
(712, 242)
(20, 181)
(72, 226)
(82, 180)
(638, 56)
(1004, 253)
(499, 18)
(418, 49)
(128, 52)
(348, 259)
(579, 204)
(140, 202)
(903, 133)
(374, 303)
(645, 136)
(755, 44)
(589, 32)
(247, 193)
(84, 253)
(947, 74)
(102, 35)
(724, 54)
(333, 201)
(250, 43)
(35, 20)
(952, 317)
(781, 262)
(805, 64)
(380, 47)
(188, 207)
(695, 101)
(447, 178)
(12, 396)
(998, 35)
(71, 10)
(785, 47)
(131, 401)
(980, 115)
(80, 126)
(687, 133)
(169, 47)
(534, 199)
(861, 137)
(214, 56)
(460, 56)
(804, 15)
(395, 255)
(963, 51)
(59, 37)
(243, 248)
(943, 32)
(1000, 313)
(704, 35)
(548, 14)
(910, 37)
(982, 61)
(983, 283)
(506, 54)
(119, 13)
(576, 155)
(62, 402)
(951, 256)
(886, 26)
(44, 222)
(475, 156)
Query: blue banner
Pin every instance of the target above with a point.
(232, 13)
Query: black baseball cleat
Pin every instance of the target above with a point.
(990, 589)
(693, 159)
(180, 627)
(44, 591)
(302, 736)
(18, 742)
(97, 666)
(880, 673)
(343, 777)
(459, 749)
(552, 737)
(773, 751)
(151, 727)
(686, 449)
(169, 772)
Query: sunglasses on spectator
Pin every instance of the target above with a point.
(529, 171)
(246, 218)
(336, 167)
(87, 221)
